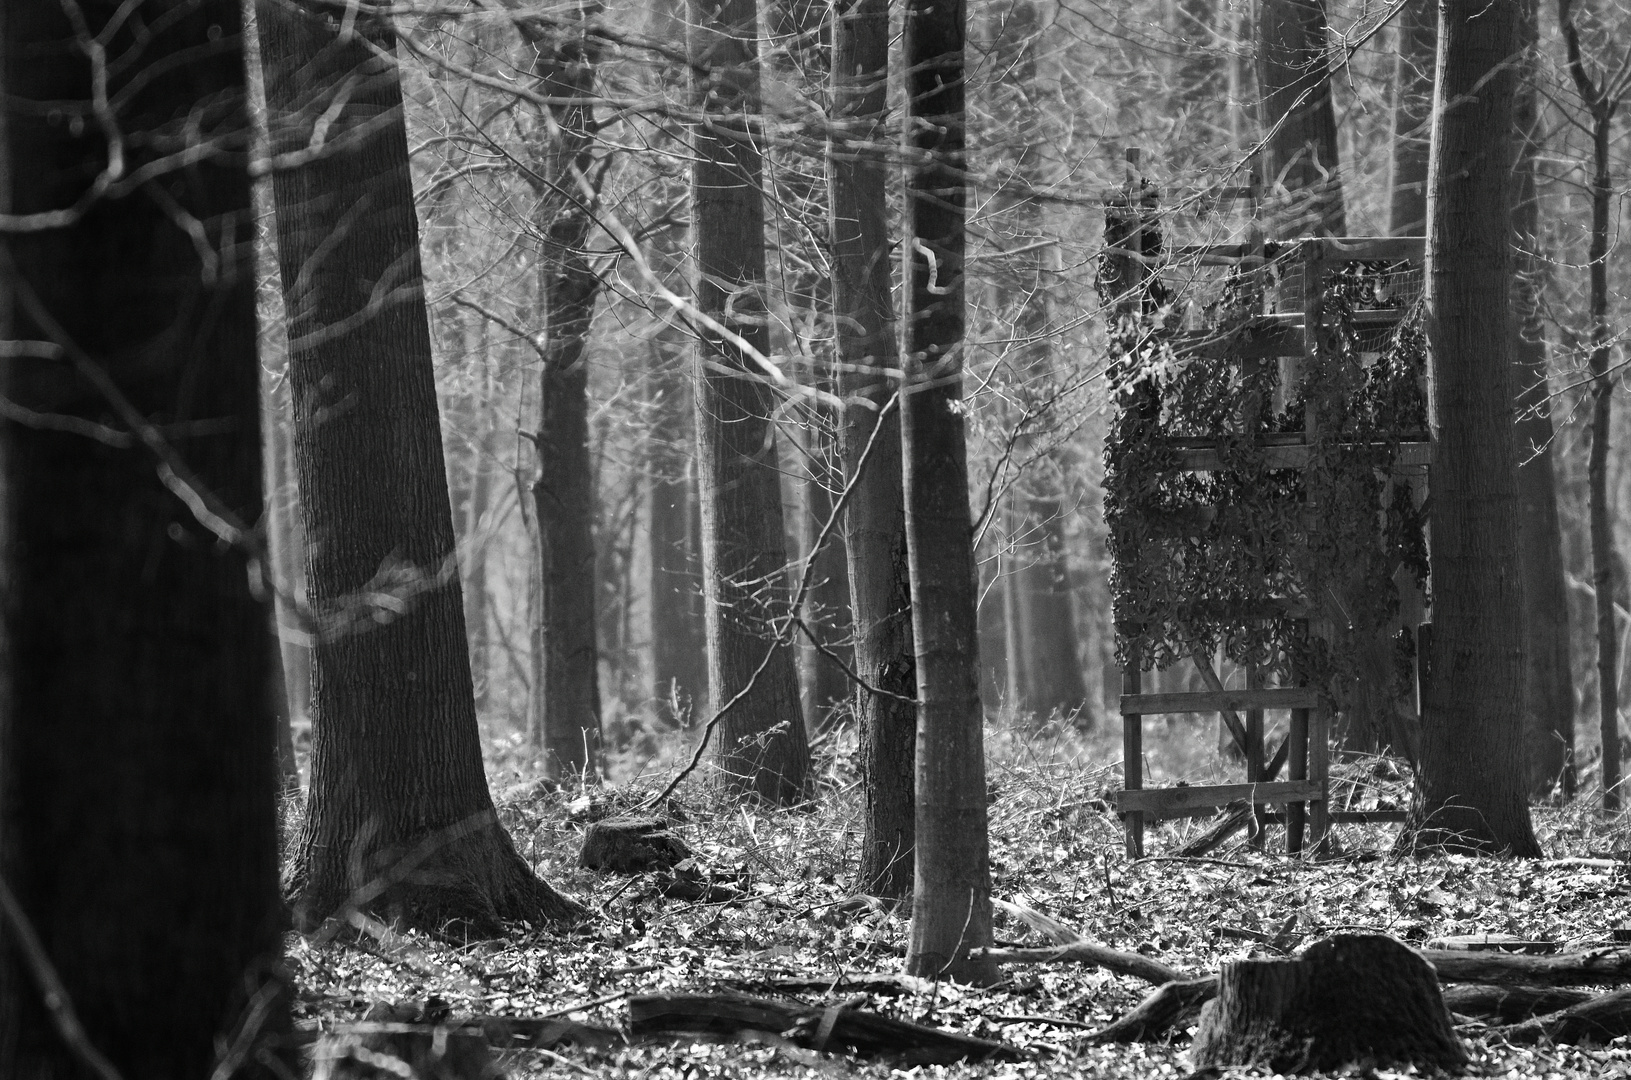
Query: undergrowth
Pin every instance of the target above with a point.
(1056, 846)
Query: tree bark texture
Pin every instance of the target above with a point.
(1600, 108)
(1294, 81)
(762, 745)
(138, 776)
(399, 819)
(875, 523)
(564, 489)
(1412, 117)
(951, 900)
(1351, 999)
(1049, 667)
(1548, 664)
(1471, 787)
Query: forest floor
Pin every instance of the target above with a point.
(799, 932)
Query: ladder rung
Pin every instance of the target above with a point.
(1274, 697)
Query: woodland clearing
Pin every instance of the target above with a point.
(798, 932)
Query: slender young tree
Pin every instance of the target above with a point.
(399, 818)
(138, 779)
(1470, 790)
(762, 743)
(1298, 117)
(1549, 667)
(875, 522)
(563, 491)
(951, 900)
(1600, 94)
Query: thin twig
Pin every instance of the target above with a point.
(52, 991)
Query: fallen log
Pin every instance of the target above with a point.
(1598, 967)
(1350, 999)
(1510, 1004)
(1605, 1017)
(1085, 952)
(1159, 1012)
(858, 1031)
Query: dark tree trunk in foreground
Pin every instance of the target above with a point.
(1354, 999)
(1412, 114)
(1295, 82)
(138, 781)
(399, 819)
(1601, 104)
(1548, 665)
(762, 745)
(875, 523)
(564, 489)
(951, 901)
(1471, 788)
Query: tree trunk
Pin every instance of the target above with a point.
(875, 523)
(1548, 665)
(1471, 788)
(285, 546)
(1349, 1000)
(1301, 153)
(1412, 113)
(762, 746)
(399, 819)
(564, 489)
(679, 657)
(138, 827)
(827, 606)
(1600, 108)
(483, 435)
(951, 900)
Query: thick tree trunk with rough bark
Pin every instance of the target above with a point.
(1548, 665)
(1471, 786)
(951, 901)
(875, 523)
(399, 819)
(138, 777)
(568, 701)
(762, 746)
(1412, 114)
(1299, 119)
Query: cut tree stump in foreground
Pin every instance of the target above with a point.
(631, 845)
(837, 1028)
(1354, 998)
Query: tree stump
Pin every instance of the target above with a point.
(631, 845)
(1354, 998)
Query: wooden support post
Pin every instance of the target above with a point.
(1297, 763)
(1319, 772)
(1132, 742)
(1254, 753)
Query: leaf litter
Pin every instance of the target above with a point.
(797, 930)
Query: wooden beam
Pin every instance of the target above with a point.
(1238, 701)
(1178, 801)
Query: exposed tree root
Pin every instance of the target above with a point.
(467, 881)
